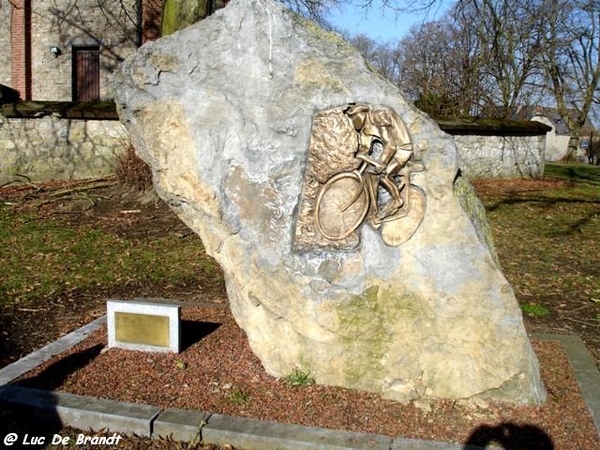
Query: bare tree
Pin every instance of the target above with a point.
(509, 34)
(481, 59)
(439, 69)
(572, 61)
(494, 57)
(382, 56)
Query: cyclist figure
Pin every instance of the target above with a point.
(381, 124)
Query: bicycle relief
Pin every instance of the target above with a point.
(359, 170)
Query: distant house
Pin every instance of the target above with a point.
(64, 50)
(557, 140)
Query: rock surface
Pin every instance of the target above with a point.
(222, 112)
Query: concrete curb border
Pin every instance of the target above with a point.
(145, 420)
(82, 412)
(584, 367)
(34, 359)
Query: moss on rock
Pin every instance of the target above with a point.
(471, 204)
(367, 324)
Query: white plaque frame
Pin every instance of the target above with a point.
(171, 311)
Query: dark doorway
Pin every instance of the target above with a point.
(86, 73)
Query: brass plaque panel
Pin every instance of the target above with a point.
(143, 329)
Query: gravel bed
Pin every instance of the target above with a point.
(217, 372)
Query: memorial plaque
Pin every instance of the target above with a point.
(145, 326)
(142, 329)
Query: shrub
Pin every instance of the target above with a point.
(133, 172)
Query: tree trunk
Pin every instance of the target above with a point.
(571, 148)
(178, 14)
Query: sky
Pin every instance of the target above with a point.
(382, 25)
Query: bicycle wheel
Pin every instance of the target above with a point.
(396, 232)
(342, 205)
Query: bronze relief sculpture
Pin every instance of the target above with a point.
(359, 170)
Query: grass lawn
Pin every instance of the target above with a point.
(548, 239)
(43, 258)
(573, 172)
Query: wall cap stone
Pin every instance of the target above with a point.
(66, 110)
(107, 111)
(492, 127)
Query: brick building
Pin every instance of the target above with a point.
(65, 50)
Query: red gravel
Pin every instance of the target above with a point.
(217, 372)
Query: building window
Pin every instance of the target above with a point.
(86, 73)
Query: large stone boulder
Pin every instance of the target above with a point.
(226, 112)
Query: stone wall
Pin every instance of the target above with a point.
(501, 156)
(109, 25)
(55, 148)
(498, 148)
